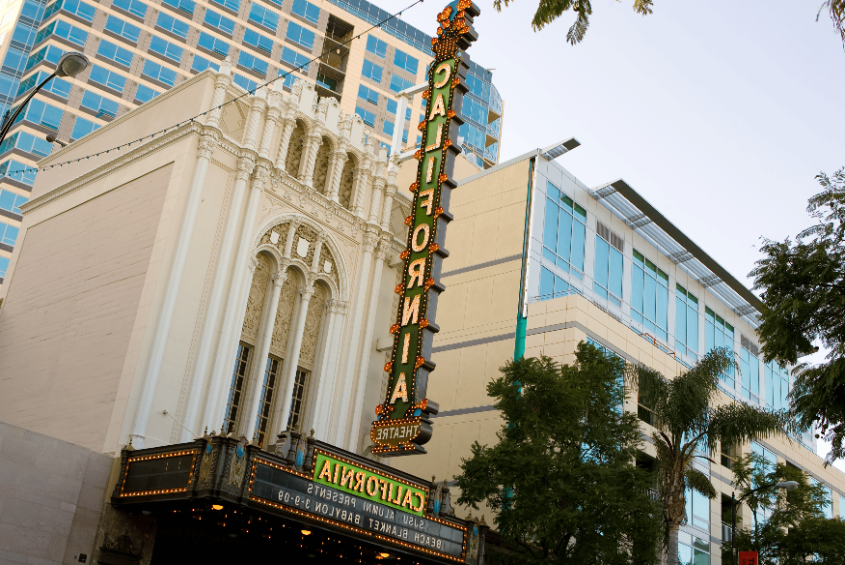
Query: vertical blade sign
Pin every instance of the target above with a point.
(403, 423)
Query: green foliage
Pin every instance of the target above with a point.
(687, 419)
(803, 290)
(563, 468)
(796, 528)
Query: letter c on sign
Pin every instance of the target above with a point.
(442, 67)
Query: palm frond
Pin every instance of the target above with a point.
(651, 385)
(698, 481)
(692, 392)
(643, 7)
(737, 423)
(578, 29)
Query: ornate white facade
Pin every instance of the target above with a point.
(278, 221)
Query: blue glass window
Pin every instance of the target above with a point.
(368, 94)
(244, 82)
(39, 112)
(686, 322)
(177, 27)
(107, 78)
(698, 509)
(388, 127)
(215, 44)
(64, 30)
(376, 46)
(201, 63)
(291, 57)
(51, 54)
(719, 333)
(123, 29)
(252, 37)
(551, 285)
(777, 387)
(145, 93)
(155, 71)
(233, 5)
(117, 54)
(166, 49)
(11, 201)
(608, 271)
(21, 173)
(475, 111)
(478, 87)
(100, 105)
(368, 117)
(264, 17)
(306, 10)
(219, 21)
(9, 234)
(187, 6)
(57, 86)
(372, 71)
(26, 142)
(749, 369)
(134, 7)
(4, 266)
(288, 78)
(693, 550)
(252, 63)
(398, 84)
(75, 7)
(650, 297)
(564, 232)
(405, 62)
(300, 35)
(82, 127)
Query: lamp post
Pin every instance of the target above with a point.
(70, 64)
(788, 485)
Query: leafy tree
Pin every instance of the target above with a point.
(796, 529)
(550, 10)
(688, 423)
(563, 469)
(803, 290)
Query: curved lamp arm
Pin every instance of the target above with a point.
(7, 126)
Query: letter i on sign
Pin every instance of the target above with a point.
(403, 423)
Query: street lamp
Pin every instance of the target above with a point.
(70, 64)
(788, 485)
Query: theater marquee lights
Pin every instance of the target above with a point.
(403, 424)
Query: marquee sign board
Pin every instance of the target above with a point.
(403, 424)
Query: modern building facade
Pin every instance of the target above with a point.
(539, 262)
(139, 49)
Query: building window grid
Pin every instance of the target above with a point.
(75, 7)
(368, 94)
(51, 54)
(650, 297)
(99, 104)
(144, 93)
(686, 322)
(82, 127)
(123, 29)
(244, 82)
(306, 10)
(398, 84)
(233, 5)
(214, 44)
(115, 53)
(777, 386)
(4, 266)
(107, 78)
(372, 71)
(199, 64)
(64, 30)
(608, 265)
(57, 86)
(12, 202)
(28, 143)
(134, 7)
(252, 63)
(719, 333)
(8, 234)
(268, 387)
(39, 112)
(750, 373)
(156, 72)
(405, 62)
(187, 6)
(376, 46)
(264, 17)
(219, 21)
(175, 26)
(300, 35)
(257, 40)
(368, 117)
(551, 285)
(693, 550)
(295, 59)
(236, 388)
(564, 232)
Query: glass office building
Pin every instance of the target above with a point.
(140, 48)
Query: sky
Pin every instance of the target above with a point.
(719, 113)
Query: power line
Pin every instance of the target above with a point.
(248, 92)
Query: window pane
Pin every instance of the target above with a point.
(579, 236)
(564, 233)
(547, 282)
(601, 263)
(550, 227)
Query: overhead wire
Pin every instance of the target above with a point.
(230, 101)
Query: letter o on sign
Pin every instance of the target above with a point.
(422, 228)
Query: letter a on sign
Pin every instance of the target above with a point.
(403, 424)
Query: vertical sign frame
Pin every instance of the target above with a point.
(403, 423)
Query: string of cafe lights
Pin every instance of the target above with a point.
(235, 99)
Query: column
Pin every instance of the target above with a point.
(375, 202)
(327, 394)
(162, 331)
(325, 349)
(288, 125)
(309, 160)
(273, 115)
(375, 285)
(258, 103)
(362, 184)
(348, 373)
(198, 380)
(340, 158)
(224, 79)
(292, 362)
(262, 351)
(236, 302)
(389, 193)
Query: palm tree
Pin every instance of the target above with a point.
(687, 420)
